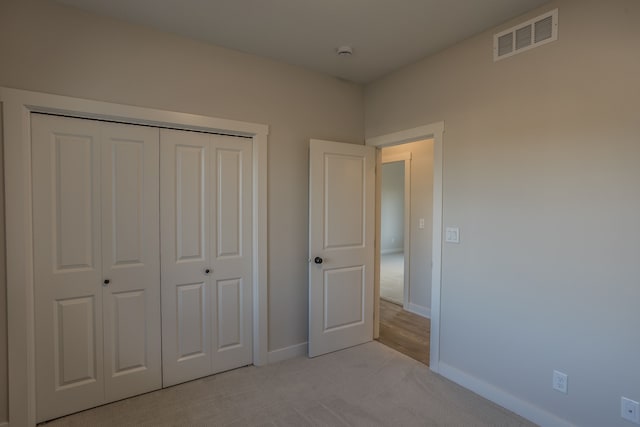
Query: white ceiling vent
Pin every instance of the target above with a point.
(533, 33)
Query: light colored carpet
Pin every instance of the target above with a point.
(392, 277)
(367, 385)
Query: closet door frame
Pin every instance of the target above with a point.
(16, 107)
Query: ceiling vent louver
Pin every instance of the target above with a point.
(527, 35)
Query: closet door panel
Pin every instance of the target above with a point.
(185, 204)
(229, 207)
(67, 265)
(231, 235)
(191, 308)
(131, 259)
(229, 313)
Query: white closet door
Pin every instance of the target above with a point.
(95, 216)
(231, 252)
(130, 260)
(67, 265)
(185, 204)
(206, 232)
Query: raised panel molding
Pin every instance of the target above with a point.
(127, 162)
(229, 313)
(343, 297)
(73, 175)
(190, 164)
(191, 318)
(344, 177)
(229, 203)
(130, 332)
(74, 342)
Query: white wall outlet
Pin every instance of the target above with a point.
(630, 410)
(560, 382)
(452, 235)
(421, 224)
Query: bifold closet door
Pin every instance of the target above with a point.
(95, 219)
(185, 207)
(67, 265)
(131, 260)
(206, 234)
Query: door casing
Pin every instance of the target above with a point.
(17, 106)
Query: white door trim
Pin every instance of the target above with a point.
(17, 106)
(435, 131)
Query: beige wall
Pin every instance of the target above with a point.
(52, 48)
(421, 207)
(542, 175)
(392, 207)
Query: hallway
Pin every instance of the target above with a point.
(405, 332)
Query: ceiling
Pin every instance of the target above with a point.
(385, 34)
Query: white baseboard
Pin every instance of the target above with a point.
(419, 310)
(391, 251)
(290, 352)
(501, 397)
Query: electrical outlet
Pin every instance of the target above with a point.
(630, 410)
(560, 381)
(452, 235)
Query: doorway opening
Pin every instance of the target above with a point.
(394, 211)
(404, 252)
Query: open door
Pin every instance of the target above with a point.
(341, 245)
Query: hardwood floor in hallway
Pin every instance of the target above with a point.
(405, 332)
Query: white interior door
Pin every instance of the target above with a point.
(95, 200)
(185, 208)
(341, 245)
(231, 234)
(67, 265)
(130, 260)
(206, 254)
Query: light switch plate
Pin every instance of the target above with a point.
(452, 235)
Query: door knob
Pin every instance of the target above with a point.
(106, 282)
(318, 260)
(207, 271)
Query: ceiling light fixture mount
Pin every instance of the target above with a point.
(344, 51)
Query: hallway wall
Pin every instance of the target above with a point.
(421, 202)
(392, 207)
